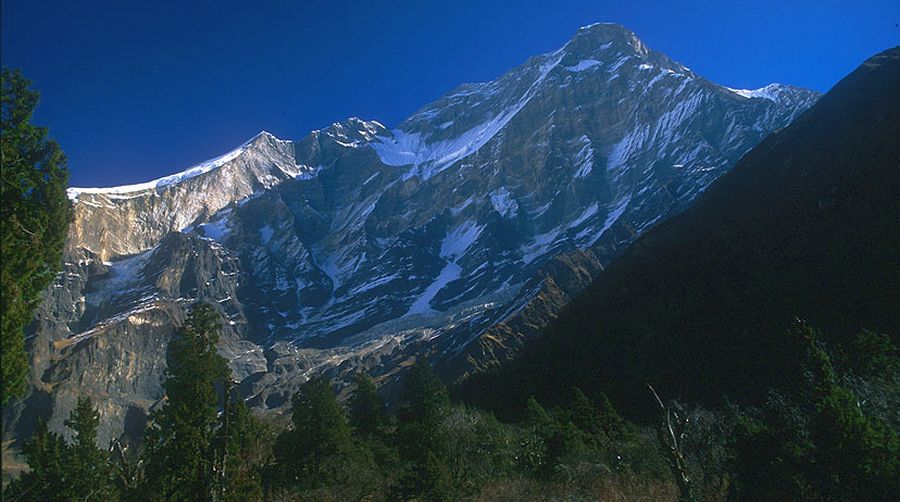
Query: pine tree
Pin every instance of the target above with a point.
(371, 424)
(35, 217)
(564, 442)
(422, 436)
(65, 472)
(88, 471)
(540, 426)
(611, 423)
(813, 442)
(855, 457)
(536, 415)
(872, 354)
(180, 450)
(600, 422)
(368, 416)
(45, 480)
(310, 454)
(582, 413)
(242, 443)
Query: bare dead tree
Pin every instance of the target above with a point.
(670, 434)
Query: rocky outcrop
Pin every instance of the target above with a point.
(127, 220)
(539, 302)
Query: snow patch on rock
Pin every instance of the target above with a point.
(584, 159)
(504, 203)
(585, 64)
(428, 158)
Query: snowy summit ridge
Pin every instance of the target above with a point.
(172, 179)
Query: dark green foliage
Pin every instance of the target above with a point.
(422, 436)
(814, 443)
(45, 480)
(372, 428)
(247, 444)
(610, 422)
(89, 474)
(317, 450)
(563, 446)
(600, 421)
(538, 426)
(480, 449)
(811, 443)
(581, 413)
(320, 428)
(368, 416)
(872, 354)
(581, 440)
(855, 456)
(536, 415)
(180, 452)
(35, 217)
(66, 472)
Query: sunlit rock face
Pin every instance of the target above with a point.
(459, 233)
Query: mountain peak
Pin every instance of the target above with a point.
(605, 36)
(613, 45)
(354, 131)
(264, 134)
(609, 28)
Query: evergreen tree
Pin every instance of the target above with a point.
(539, 426)
(611, 423)
(35, 217)
(872, 354)
(180, 451)
(565, 442)
(310, 453)
(241, 439)
(582, 413)
(598, 427)
(45, 480)
(814, 442)
(65, 472)
(88, 470)
(422, 436)
(368, 416)
(536, 415)
(370, 423)
(856, 457)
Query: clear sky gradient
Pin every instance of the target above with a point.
(136, 90)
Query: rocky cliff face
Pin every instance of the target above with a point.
(459, 233)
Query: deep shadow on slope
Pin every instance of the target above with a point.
(806, 225)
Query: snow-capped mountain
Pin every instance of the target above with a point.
(457, 233)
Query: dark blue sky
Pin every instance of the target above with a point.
(135, 90)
